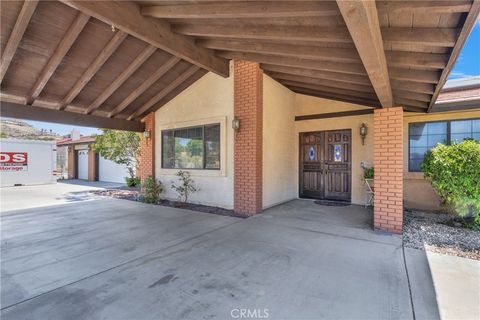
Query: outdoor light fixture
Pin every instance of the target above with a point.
(146, 134)
(236, 124)
(363, 132)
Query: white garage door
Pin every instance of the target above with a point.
(83, 164)
(110, 171)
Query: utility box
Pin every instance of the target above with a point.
(27, 162)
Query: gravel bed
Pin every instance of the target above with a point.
(429, 231)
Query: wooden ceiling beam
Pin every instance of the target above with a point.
(470, 22)
(424, 97)
(322, 82)
(422, 76)
(410, 102)
(144, 86)
(93, 68)
(250, 9)
(126, 16)
(159, 96)
(268, 32)
(412, 86)
(336, 97)
(28, 112)
(361, 18)
(428, 7)
(124, 76)
(348, 68)
(283, 49)
(416, 59)
(316, 74)
(65, 44)
(346, 92)
(435, 37)
(16, 36)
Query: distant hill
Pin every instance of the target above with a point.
(12, 128)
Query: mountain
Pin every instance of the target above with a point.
(12, 128)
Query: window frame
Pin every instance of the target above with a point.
(204, 154)
(449, 134)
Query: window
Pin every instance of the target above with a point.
(192, 148)
(424, 136)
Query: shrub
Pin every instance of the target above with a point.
(454, 171)
(186, 187)
(132, 182)
(152, 189)
(368, 173)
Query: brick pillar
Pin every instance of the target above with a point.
(248, 105)
(92, 164)
(146, 163)
(72, 162)
(388, 163)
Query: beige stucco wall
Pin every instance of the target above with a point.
(209, 100)
(279, 171)
(418, 192)
(310, 105)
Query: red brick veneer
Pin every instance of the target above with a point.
(146, 162)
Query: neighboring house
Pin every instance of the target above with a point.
(86, 164)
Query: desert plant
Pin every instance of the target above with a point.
(368, 173)
(186, 186)
(151, 189)
(132, 182)
(454, 171)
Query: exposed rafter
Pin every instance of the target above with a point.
(343, 91)
(159, 96)
(144, 86)
(428, 7)
(250, 9)
(348, 68)
(435, 37)
(16, 36)
(126, 16)
(65, 44)
(139, 60)
(280, 33)
(361, 18)
(109, 49)
(336, 97)
(283, 49)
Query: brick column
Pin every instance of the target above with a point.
(146, 162)
(72, 162)
(388, 163)
(248, 105)
(92, 164)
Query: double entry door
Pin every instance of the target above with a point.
(325, 165)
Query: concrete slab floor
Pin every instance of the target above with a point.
(117, 259)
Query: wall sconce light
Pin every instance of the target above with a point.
(363, 132)
(236, 124)
(146, 134)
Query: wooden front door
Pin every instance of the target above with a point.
(325, 165)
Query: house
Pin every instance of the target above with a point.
(82, 162)
(261, 102)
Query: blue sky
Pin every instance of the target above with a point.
(468, 64)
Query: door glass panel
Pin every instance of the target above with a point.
(337, 154)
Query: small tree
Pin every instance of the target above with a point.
(152, 189)
(186, 187)
(454, 171)
(122, 147)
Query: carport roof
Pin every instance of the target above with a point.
(109, 63)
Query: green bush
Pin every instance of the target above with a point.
(132, 182)
(151, 190)
(454, 171)
(368, 173)
(186, 187)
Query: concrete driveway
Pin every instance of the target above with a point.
(117, 259)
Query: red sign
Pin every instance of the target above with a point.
(13, 161)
